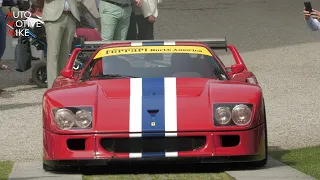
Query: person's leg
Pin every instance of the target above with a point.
(123, 24)
(145, 28)
(141, 23)
(69, 22)
(54, 32)
(150, 35)
(2, 33)
(132, 31)
(109, 14)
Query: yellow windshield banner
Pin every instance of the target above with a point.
(151, 50)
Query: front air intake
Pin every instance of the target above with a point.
(153, 144)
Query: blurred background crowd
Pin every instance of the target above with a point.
(65, 21)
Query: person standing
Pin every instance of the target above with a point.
(60, 17)
(145, 17)
(115, 18)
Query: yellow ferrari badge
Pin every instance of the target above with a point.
(153, 123)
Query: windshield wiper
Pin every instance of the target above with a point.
(109, 76)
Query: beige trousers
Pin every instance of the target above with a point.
(60, 34)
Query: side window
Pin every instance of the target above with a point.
(88, 71)
(95, 68)
(81, 60)
(217, 69)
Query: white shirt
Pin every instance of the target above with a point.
(66, 6)
(1, 3)
(148, 8)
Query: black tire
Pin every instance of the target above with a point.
(263, 162)
(39, 74)
(46, 167)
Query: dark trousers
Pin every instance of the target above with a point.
(145, 28)
(132, 31)
(2, 33)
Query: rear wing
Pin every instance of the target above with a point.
(218, 43)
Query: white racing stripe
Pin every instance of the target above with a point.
(135, 155)
(136, 44)
(135, 111)
(170, 92)
(171, 154)
(169, 43)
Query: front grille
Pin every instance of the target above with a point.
(153, 144)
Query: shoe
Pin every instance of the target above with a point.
(3, 67)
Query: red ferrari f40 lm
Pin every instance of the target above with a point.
(162, 101)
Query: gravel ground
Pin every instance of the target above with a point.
(273, 41)
(20, 116)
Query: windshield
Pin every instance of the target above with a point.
(156, 61)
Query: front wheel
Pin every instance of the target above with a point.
(263, 162)
(39, 74)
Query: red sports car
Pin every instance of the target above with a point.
(154, 101)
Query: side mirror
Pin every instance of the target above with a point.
(68, 72)
(237, 68)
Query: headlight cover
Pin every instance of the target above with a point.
(65, 119)
(83, 118)
(223, 115)
(241, 115)
(232, 114)
(73, 118)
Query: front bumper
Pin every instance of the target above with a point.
(251, 147)
(180, 160)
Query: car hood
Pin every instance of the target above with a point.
(153, 104)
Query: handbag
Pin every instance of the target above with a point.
(22, 56)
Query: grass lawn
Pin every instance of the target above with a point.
(5, 169)
(306, 160)
(182, 176)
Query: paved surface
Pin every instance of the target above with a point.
(274, 170)
(33, 170)
(272, 38)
